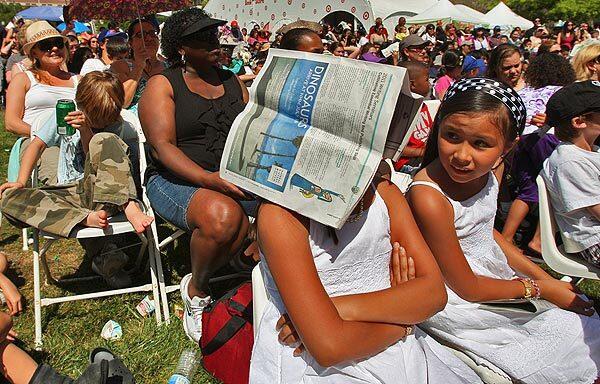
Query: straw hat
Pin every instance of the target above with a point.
(38, 31)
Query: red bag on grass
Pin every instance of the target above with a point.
(227, 336)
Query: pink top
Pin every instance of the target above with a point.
(442, 84)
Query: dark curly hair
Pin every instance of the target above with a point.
(549, 69)
(171, 39)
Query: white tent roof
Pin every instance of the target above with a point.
(446, 11)
(275, 13)
(394, 8)
(470, 12)
(502, 15)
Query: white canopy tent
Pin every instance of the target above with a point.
(272, 14)
(390, 11)
(503, 16)
(447, 12)
(470, 12)
(275, 13)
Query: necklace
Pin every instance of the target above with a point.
(361, 210)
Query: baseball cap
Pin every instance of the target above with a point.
(471, 63)
(203, 23)
(412, 41)
(107, 34)
(573, 100)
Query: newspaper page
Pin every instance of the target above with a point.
(314, 131)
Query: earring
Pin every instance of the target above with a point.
(183, 61)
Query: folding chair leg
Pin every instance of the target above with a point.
(37, 300)
(153, 273)
(159, 270)
(25, 240)
(42, 255)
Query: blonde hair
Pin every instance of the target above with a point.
(100, 96)
(581, 59)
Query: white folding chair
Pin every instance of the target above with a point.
(117, 225)
(487, 372)
(554, 255)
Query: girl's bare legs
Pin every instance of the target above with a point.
(516, 214)
(536, 243)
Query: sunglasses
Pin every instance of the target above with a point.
(147, 34)
(48, 44)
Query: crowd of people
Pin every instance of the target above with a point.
(375, 300)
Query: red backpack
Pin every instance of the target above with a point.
(227, 336)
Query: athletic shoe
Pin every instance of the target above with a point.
(192, 317)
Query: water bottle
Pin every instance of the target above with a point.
(186, 368)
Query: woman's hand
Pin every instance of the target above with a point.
(8, 185)
(288, 335)
(565, 295)
(213, 181)
(76, 119)
(402, 267)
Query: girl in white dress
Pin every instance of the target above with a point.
(454, 202)
(349, 314)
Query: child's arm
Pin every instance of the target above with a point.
(518, 261)
(78, 121)
(435, 218)
(410, 302)
(32, 154)
(328, 338)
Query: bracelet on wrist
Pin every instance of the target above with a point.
(532, 289)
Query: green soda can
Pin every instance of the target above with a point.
(63, 107)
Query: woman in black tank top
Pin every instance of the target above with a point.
(186, 114)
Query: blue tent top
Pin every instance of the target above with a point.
(42, 13)
(79, 27)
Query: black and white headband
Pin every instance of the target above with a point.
(508, 96)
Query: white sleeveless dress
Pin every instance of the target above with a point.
(359, 263)
(555, 346)
(40, 100)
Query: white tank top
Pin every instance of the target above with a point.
(42, 97)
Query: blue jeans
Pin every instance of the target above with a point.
(171, 200)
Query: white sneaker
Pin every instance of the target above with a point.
(192, 318)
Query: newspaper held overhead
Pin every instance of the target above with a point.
(315, 129)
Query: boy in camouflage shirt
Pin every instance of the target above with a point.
(107, 185)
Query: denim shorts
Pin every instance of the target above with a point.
(171, 200)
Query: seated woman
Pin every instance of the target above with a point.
(454, 199)
(94, 170)
(34, 92)
(186, 113)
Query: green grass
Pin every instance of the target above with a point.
(72, 330)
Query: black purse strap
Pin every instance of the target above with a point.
(224, 335)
